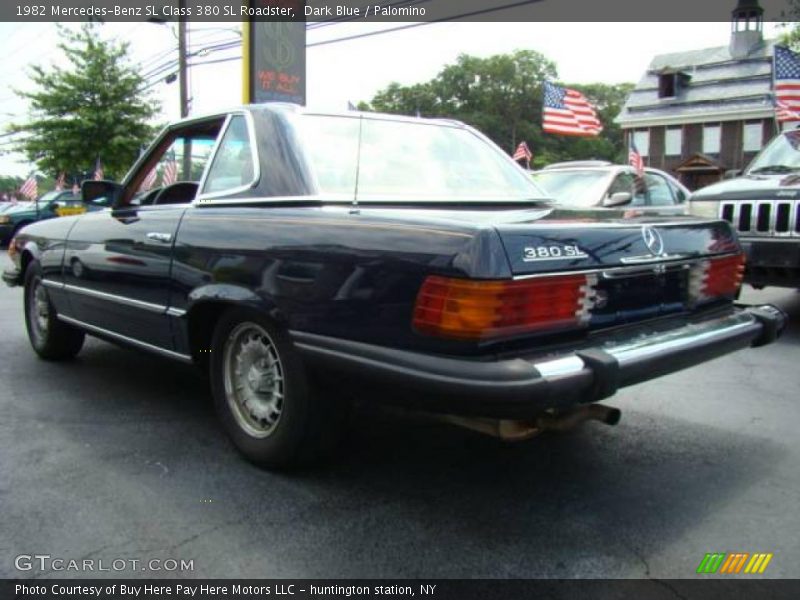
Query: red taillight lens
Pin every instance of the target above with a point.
(717, 277)
(475, 310)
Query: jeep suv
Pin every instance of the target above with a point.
(762, 205)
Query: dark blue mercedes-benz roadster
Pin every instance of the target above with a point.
(305, 258)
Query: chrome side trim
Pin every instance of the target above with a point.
(149, 306)
(157, 308)
(124, 338)
(56, 285)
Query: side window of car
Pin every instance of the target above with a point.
(233, 165)
(678, 193)
(626, 182)
(660, 192)
(183, 160)
(171, 171)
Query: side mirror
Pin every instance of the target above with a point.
(617, 199)
(100, 193)
(732, 173)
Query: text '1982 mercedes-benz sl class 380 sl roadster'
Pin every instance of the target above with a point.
(305, 258)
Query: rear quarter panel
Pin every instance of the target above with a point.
(325, 270)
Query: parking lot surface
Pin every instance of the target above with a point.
(117, 455)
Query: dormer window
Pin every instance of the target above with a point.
(671, 82)
(666, 85)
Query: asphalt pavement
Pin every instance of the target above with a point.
(118, 456)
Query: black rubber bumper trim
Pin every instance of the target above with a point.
(773, 321)
(606, 373)
(514, 387)
(12, 278)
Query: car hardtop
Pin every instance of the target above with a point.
(288, 108)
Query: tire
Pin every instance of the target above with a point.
(51, 339)
(274, 414)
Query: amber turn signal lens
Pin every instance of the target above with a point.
(475, 310)
(12, 248)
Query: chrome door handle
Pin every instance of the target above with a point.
(164, 238)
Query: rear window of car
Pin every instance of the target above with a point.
(373, 158)
(572, 187)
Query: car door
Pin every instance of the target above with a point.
(117, 261)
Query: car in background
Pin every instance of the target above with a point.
(52, 204)
(597, 183)
(763, 206)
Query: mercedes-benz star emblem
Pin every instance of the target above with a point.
(653, 241)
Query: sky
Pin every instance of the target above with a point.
(351, 71)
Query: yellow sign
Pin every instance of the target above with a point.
(68, 211)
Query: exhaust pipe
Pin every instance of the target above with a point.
(514, 431)
(573, 417)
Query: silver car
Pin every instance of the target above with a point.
(591, 184)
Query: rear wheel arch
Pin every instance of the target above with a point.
(202, 319)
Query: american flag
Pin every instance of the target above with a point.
(568, 112)
(635, 159)
(786, 82)
(523, 152)
(170, 173)
(30, 189)
(60, 181)
(784, 113)
(150, 180)
(98, 171)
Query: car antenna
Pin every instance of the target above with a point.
(354, 205)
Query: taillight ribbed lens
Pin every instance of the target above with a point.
(475, 310)
(717, 277)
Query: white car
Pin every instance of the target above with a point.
(591, 184)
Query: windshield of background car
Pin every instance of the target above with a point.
(49, 196)
(399, 160)
(573, 188)
(783, 151)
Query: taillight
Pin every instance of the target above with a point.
(717, 277)
(476, 310)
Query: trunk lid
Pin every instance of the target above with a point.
(644, 267)
(570, 241)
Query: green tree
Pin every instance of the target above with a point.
(791, 25)
(502, 97)
(10, 183)
(93, 109)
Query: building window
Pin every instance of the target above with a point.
(641, 138)
(673, 139)
(711, 139)
(751, 139)
(666, 85)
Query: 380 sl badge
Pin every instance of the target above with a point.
(552, 252)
